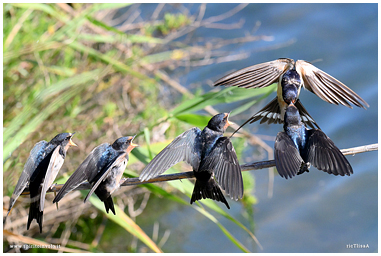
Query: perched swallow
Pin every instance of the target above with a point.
(291, 76)
(296, 148)
(103, 168)
(212, 157)
(41, 168)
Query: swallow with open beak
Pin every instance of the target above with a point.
(297, 147)
(41, 168)
(212, 157)
(291, 76)
(103, 168)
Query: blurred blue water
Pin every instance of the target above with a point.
(313, 212)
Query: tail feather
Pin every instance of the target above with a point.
(109, 205)
(34, 213)
(209, 190)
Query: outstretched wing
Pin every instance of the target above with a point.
(305, 116)
(185, 147)
(224, 162)
(257, 76)
(86, 170)
(327, 87)
(287, 158)
(34, 159)
(271, 113)
(118, 159)
(325, 156)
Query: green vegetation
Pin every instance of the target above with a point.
(68, 68)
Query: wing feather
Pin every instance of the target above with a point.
(327, 87)
(185, 147)
(325, 156)
(118, 159)
(35, 157)
(257, 76)
(224, 162)
(86, 170)
(287, 158)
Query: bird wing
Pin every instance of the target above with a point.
(257, 76)
(223, 161)
(185, 147)
(55, 164)
(287, 158)
(327, 87)
(271, 113)
(34, 159)
(305, 116)
(118, 159)
(83, 172)
(325, 156)
(92, 168)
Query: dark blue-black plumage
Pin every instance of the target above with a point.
(291, 76)
(40, 170)
(103, 168)
(297, 147)
(212, 157)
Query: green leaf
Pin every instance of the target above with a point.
(194, 119)
(227, 95)
(122, 219)
(45, 8)
(200, 102)
(224, 230)
(31, 125)
(147, 138)
(26, 113)
(119, 65)
(104, 6)
(186, 183)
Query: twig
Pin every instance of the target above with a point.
(16, 28)
(189, 175)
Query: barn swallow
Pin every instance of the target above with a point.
(291, 76)
(103, 168)
(297, 147)
(212, 157)
(41, 168)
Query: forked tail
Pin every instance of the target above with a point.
(109, 205)
(209, 190)
(34, 213)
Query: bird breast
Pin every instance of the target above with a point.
(113, 179)
(55, 169)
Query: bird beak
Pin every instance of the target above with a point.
(133, 144)
(71, 143)
(228, 123)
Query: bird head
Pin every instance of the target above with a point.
(219, 122)
(63, 139)
(292, 116)
(291, 83)
(125, 143)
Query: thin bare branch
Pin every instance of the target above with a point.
(189, 175)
